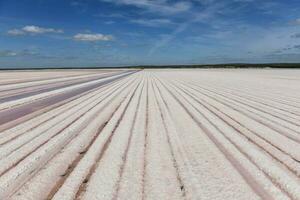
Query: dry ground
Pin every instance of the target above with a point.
(152, 134)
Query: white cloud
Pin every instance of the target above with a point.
(40, 30)
(33, 30)
(92, 37)
(152, 22)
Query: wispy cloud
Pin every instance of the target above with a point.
(110, 15)
(295, 22)
(81, 6)
(33, 30)
(296, 35)
(209, 12)
(15, 32)
(89, 37)
(161, 6)
(109, 22)
(76, 3)
(221, 19)
(296, 46)
(9, 53)
(153, 22)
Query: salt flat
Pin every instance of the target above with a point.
(224, 134)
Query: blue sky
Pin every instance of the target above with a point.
(78, 33)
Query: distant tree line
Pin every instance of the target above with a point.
(228, 65)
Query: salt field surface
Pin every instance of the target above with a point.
(207, 134)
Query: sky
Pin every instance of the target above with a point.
(103, 33)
